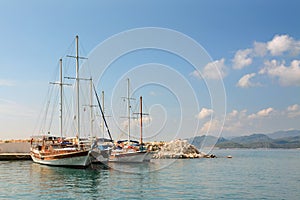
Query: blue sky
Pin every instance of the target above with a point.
(254, 44)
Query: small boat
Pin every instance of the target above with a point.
(58, 150)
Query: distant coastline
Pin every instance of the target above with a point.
(281, 139)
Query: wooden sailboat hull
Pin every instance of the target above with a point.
(76, 159)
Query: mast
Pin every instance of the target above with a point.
(141, 115)
(77, 89)
(128, 111)
(91, 106)
(61, 97)
(141, 122)
(77, 78)
(61, 84)
(103, 113)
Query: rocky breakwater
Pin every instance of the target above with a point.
(178, 149)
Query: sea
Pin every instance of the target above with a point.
(249, 174)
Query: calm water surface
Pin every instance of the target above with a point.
(250, 174)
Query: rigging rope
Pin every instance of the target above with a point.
(102, 113)
(55, 104)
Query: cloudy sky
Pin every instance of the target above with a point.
(253, 47)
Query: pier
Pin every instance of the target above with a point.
(14, 156)
(11, 150)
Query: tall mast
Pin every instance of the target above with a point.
(61, 84)
(141, 115)
(77, 89)
(128, 111)
(103, 113)
(61, 97)
(91, 106)
(77, 78)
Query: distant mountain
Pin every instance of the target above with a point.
(280, 139)
(261, 141)
(229, 144)
(205, 141)
(288, 142)
(282, 134)
(251, 139)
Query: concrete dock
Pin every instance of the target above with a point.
(15, 151)
(14, 156)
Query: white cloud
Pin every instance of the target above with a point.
(214, 70)
(275, 47)
(262, 113)
(204, 113)
(233, 114)
(211, 127)
(196, 74)
(146, 119)
(294, 107)
(136, 122)
(265, 112)
(296, 48)
(242, 59)
(287, 76)
(260, 49)
(235, 121)
(240, 122)
(245, 81)
(280, 44)
(293, 111)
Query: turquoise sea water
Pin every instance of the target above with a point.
(250, 174)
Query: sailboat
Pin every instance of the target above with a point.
(130, 151)
(58, 150)
(102, 147)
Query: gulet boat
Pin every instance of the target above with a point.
(58, 150)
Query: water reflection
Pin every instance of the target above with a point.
(71, 183)
(141, 168)
(98, 181)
